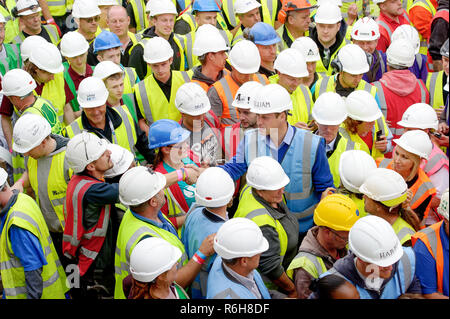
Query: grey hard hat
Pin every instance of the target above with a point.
(444, 49)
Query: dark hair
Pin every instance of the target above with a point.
(325, 286)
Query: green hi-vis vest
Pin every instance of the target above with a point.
(152, 101)
(124, 135)
(357, 143)
(49, 177)
(320, 68)
(11, 25)
(57, 8)
(250, 208)
(434, 86)
(403, 230)
(44, 108)
(129, 80)
(13, 60)
(25, 214)
(286, 38)
(311, 263)
(328, 84)
(140, 16)
(51, 30)
(301, 103)
(131, 231)
(54, 92)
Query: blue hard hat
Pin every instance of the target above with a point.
(106, 40)
(264, 34)
(205, 6)
(166, 132)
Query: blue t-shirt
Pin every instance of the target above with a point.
(426, 265)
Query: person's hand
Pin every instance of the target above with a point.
(207, 246)
(352, 13)
(192, 173)
(328, 191)
(381, 144)
(443, 141)
(303, 126)
(18, 186)
(443, 128)
(409, 195)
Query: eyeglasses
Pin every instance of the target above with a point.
(334, 232)
(92, 19)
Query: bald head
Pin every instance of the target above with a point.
(118, 20)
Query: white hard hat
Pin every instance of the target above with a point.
(3, 176)
(329, 109)
(409, 33)
(420, 115)
(362, 106)
(354, 167)
(245, 95)
(271, 98)
(308, 48)
(84, 148)
(105, 69)
(47, 57)
(107, 2)
(353, 59)
(157, 50)
(29, 131)
(365, 29)
(336, 2)
(121, 158)
(443, 205)
(291, 62)
(17, 82)
(92, 93)
(373, 240)
(400, 53)
(138, 185)
(27, 7)
(2, 18)
(191, 99)
(417, 142)
(85, 9)
(73, 44)
(157, 7)
(385, 186)
(244, 57)
(244, 6)
(239, 237)
(265, 173)
(214, 188)
(28, 44)
(208, 39)
(152, 257)
(330, 13)
(378, 1)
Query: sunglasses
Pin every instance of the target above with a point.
(92, 19)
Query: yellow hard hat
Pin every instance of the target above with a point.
(337, 212)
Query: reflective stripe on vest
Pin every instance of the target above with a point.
(312, 264)
(431, 237)
(48, 178)
(57, 7)
(129, 80)
(139, 15)
(435, 162)
(12, 59)
(434, 86)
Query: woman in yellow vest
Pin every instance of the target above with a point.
(385, 195)
(365, 125)
(27, 273)
(262, 201)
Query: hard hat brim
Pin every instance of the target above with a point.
(409, 149)
(228, 254)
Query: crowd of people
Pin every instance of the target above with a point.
(209, 149)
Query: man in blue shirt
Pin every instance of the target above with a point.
(300, 153)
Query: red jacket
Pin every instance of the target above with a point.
(387, 27)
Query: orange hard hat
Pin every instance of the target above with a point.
(292, 5)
